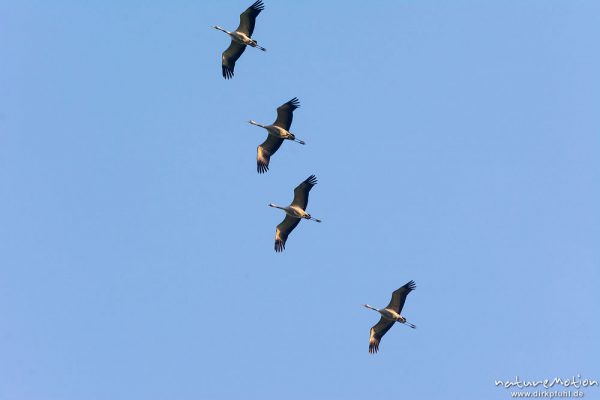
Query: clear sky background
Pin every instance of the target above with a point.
(455, 143)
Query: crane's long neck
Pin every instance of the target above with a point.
(222, 29)
(257, 124)
(369, 307)
(276, 206)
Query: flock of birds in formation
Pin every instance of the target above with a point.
(278, 132)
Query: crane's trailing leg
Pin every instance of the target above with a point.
(310, 217)
(411, 325)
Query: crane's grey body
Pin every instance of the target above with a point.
(240, 37)
(295, 212)
(388, 314)
(277, 131)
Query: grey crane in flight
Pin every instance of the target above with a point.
(278, 132)
(294, 212)
(240, 38)
(389, 316)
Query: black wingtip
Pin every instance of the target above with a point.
(258, 5)
(262, 168)
(227, 72)
(294, 103)
(311, 180)
(411, 285)
(279, 246)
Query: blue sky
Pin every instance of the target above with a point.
(456, 144)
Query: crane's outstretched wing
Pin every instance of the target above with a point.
(265, 151)
(377, 332)
(248, 17)
(283, 230)
(399, 296)
(285, 114)
(301, 192)
(230, 56)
